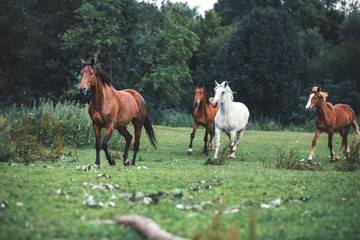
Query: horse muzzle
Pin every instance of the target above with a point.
(83, 90)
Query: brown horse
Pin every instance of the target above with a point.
(330, 118)
(112, 109)
(204, 115)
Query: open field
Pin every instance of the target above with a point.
(48, 200)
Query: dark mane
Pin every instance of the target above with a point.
(103, 75)
(207, 96)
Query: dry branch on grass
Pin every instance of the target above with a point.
(147, 227)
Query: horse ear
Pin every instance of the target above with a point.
(83, 62)
(92, 61)
(226, 84)
(318, 90)
(216, 83)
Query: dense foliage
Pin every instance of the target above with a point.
(270, 51)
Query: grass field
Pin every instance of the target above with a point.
(48, 200)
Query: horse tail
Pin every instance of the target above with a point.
(150, 131)
(356, 127)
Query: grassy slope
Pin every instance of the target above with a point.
(53, 197)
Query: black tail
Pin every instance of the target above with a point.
(150, 131)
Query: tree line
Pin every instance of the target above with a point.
(271, 51)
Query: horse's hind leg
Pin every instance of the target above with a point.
(236, 144)
(212, 134)
(206, 143)
(330, 137)
(108, 134)
(124, 132)
(192, 135)
(344, 134)
(138, 128)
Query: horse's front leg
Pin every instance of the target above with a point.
(236, 144)
(314, 141)
(97, 131)
(232, 145)
(108, 134)
(217, 144)
(192, 135)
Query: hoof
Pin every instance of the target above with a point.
(126, 162)
(334, 160)
(112, 162)
(310, 161)
(189, 151)
(232, 155)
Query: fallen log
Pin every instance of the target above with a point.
(147, 227)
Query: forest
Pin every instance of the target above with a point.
(271, 52)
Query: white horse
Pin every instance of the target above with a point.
(232, 117)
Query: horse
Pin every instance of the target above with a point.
(112, 109)
(330, 118)
(204, 115)
(231, 118)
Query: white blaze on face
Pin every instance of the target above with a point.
(308, 105)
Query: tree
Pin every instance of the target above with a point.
(264, 64)
(167, 63)
(30, 58)
(212, 36)
(103, 27)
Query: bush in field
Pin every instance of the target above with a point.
(352, 159)
(291, 161)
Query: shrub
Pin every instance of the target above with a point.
(352, 159)
(292, 162)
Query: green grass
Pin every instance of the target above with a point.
(45, 200)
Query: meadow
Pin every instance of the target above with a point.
(251, 197)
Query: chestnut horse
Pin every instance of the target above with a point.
(330, 118)
(112, 109)
(204, 115)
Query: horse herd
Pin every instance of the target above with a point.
(112, 109)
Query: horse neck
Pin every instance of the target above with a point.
(225, 106)
(203, 106)
(98, 92)
(323, 112)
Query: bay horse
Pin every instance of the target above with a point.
(231, 118)
(112, 109)
(204, 115)
(330, 118)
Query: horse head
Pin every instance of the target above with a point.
(87, 76)
(199, 94)
(221, 91)
(316, 95)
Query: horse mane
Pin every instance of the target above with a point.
(105, 78)
(323, 95)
